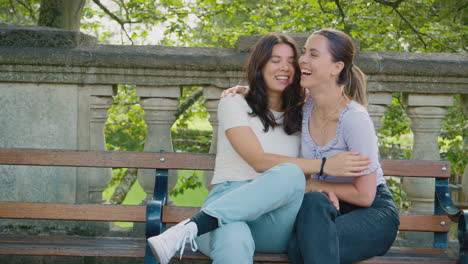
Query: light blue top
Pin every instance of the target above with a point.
(354, 132)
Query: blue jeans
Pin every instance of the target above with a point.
(325, 235)
(255, 215)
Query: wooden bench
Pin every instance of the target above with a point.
(156, 214)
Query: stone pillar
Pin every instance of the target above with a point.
(212, 96)
(98, 178)
(378, 106)
(426, 113)
(160, 105)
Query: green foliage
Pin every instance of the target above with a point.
(23, 12)
(401, 199)
(395, 125)
(186, 137)
(420, 25)
(197, 109)
(186, 183)
(453, 138)
(125, 128)
(190, 197)
(191, 140)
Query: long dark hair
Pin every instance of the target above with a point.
(341, 48)
(292, 96)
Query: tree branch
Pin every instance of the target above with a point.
(322, 8)
(395, 4)
(29, 8)
(114, 17)
(188, 102)
(411, 27)
(343, 16)
(420, 35)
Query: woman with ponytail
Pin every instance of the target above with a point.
(365, 221)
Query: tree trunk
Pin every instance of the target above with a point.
(65, 14)
(124, 187)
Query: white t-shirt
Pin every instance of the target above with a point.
(233, 111)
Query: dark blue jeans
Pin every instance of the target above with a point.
(325, 235)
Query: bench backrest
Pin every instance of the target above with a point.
(170, 160)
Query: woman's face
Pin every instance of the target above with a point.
(278, 72)
(317, 66)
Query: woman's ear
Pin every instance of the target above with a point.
(338, 67)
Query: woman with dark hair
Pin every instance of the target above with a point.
(335, 120)
(257, 193)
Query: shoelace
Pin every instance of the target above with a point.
(191, 240)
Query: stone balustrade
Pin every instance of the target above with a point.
(57, 96)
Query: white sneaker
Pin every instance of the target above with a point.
(165, 245)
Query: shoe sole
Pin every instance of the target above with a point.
(158, 251)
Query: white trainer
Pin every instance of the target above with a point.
(165, 245)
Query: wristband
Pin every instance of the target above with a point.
(321, 166)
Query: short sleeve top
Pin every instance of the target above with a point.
(355, 132)
(233, 111)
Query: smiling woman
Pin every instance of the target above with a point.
(266, 120)
(335, 120)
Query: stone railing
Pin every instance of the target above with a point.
(56, 95)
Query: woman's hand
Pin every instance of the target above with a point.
(313, 185)
(333, 198)
(238, 89)
(347, 164)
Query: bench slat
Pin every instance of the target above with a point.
(151, 160)
(135, 248)
(430, 223)
(72, 246)
(424, 223)
(85, 212)
(416, 168)
(107, 159)
(171, 214)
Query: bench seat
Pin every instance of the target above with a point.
(156, 214)
(124, 247)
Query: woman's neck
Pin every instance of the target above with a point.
(327, 99)
(275, 102)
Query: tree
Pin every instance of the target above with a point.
(64, 14)
(381, 25)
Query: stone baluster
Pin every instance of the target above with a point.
(160, 105)
(378, 106)
(98, 179)
(212, 96)
(426, 113)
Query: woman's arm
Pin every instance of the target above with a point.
(246, 143)
(361, 192)
(359, 135)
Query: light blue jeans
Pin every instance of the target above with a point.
(255, 215)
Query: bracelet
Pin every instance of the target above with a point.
(321, 166)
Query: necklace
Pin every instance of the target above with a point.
(325, 119)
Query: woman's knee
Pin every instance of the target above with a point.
(232, 243)
(317, 202)
(291, 175)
